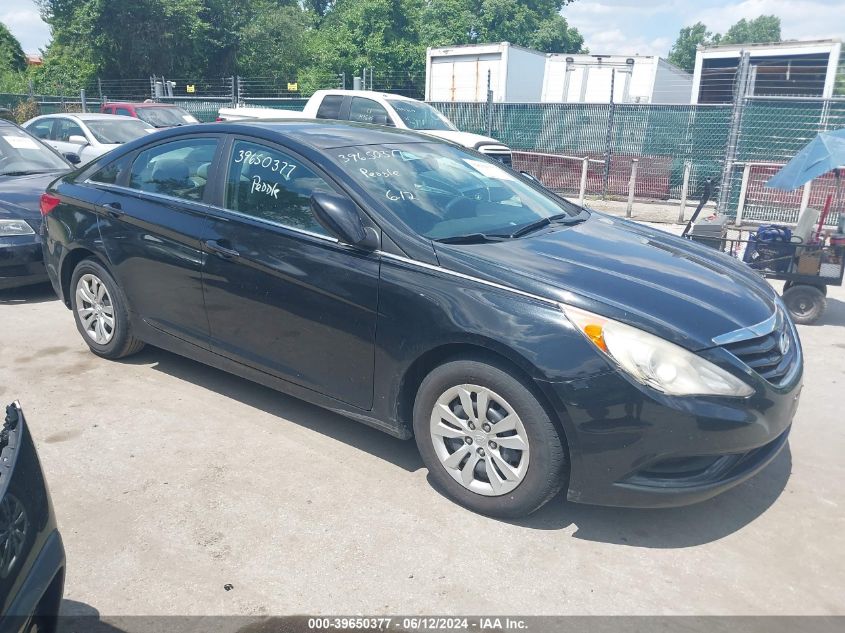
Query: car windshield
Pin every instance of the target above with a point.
(22, 154)
(446, 192)
(117, 129)
(420, 116)
(165, 116)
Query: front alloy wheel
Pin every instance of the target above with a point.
(480, 440)
(486, 438)
(95, 309)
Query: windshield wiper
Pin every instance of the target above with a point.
(27, 172)
(559, 218)
(471, 238)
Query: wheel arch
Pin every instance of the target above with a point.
(488, 352)
(70, 262)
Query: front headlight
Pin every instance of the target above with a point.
(15, 227)
(654, 361)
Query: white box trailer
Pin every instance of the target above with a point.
(635, 79)
(784, 69)
(459, 73)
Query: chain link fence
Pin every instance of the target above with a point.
(581, 149)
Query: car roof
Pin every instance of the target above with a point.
(141, 104)
(87, 116)
(325, 133)
(373, 94)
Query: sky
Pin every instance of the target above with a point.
(609, 26)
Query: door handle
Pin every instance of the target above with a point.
(113, 209)
(226, 253)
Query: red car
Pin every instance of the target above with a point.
(156, 114)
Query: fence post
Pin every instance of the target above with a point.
(100, 90)
(743, 190)
(82, 104)
(233, 91)
(684, 191)
(608, 141)
(805, 198)
(740, 93)
(585, 165)
(632, 184)
(489, 105)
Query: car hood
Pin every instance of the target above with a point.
(466, 139)
(664, 284)
(24, 192)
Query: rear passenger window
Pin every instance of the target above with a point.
(109, 174)
(178, 169)
(123, 111)
(268, 184)
(42, 129)
(330, 107)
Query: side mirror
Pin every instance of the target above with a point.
(339, 216)
(72, 158)
(76, 139)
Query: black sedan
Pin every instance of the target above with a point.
(526, 343)
(27, 166)
(32, 557)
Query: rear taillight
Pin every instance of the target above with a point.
(48, 203)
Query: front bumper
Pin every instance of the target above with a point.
(21, 261)
(635, 447)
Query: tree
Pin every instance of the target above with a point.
(11, 53)
(533, 23)
(275, 44)
(760, 30)
(683, 50)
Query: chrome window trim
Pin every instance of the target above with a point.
(752, 331)
(273, 223)
(381, 254)
(150, 194)
(163, 196)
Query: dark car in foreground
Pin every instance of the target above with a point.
(424, 289)
(32, 557)
(27, 166)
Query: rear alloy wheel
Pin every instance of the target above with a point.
(99, 309)
(94, 308)
(487, 441)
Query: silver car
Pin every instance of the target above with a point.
(87, 135)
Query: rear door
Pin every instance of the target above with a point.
(282, 295)
(152, 221)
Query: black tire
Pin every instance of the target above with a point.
(122, 342)
(805, 303)
(821, 287)
(547, 467)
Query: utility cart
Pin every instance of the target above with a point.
(807, 258)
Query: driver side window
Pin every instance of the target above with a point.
(271, 185)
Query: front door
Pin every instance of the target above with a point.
(282, 295)
(152, 219)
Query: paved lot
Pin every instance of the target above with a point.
(171, 480)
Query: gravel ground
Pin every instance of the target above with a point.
(172, 480)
